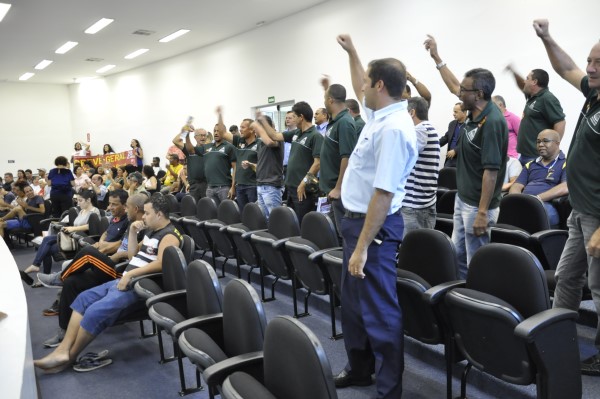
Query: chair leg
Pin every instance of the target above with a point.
(143, 331)
(294, 298)
(262, 286)
(463, 381)
(449, 357)
(186, 391)
(334, 335)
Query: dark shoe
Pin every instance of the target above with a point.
(345, 379)
(591, 366)
(52, 310)
(25, 277)
(56, 340)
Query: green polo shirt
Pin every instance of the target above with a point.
(306, 146)
(245, 152)
(217, 162)
(338, 143)
(584, 156)
(541, 112)
(359, 122)
(482, 144)
(195, 165)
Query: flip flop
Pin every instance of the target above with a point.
(92, 356)
(91, 365)
(26, 277)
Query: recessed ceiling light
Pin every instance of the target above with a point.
(66, 47)
(174, 35)
(3, 10)
(136, 53)
(105, 68)
(26, 76)
(98, 26)
(43, 64)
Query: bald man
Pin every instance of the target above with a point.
(545, 176)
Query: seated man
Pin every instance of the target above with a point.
(27, 203)
(545, 176)
(513, 170)
(6, 198)
(173, 168)
(98, 308)
(89, 269)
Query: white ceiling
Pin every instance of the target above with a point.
(33, 29)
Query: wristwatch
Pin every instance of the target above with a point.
(305, 180)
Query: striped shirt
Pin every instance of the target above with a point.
(149, 251)
(421, 186)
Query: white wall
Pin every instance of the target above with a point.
(286, 58)
(35, 125)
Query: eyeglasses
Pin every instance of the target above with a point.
(546, 141)
(463, 89)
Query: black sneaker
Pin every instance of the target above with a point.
(591, 366)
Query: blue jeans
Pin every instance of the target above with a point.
(418, 218)
(574, 263)
(553, 217)
(464, 240)
(268, 197)
(244, 194)
(101, 306)
(47, 248)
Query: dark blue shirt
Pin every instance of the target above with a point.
(116, 229)
(538, 178)
(61, 180)
(455, 136)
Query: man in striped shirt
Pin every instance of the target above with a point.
(418, 206)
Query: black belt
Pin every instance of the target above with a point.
(354, 215)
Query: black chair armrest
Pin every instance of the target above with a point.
(531, 328)
(246, 235)
(436, 294)
(279, 244)
(120, 267)
(251, 363)
(548, 245)
(45, 223)
(165, 297)
(213, 322)
(316, 257)
(150, 276)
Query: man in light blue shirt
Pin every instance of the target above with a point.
(372, 191)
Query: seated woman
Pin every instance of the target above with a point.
(118, 180)
(151, 183)
(80, 178)
(49, 244)
(26, 203)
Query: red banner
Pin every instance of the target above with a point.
(108, 160)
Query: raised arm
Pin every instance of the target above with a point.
(447, 76)
(518, 78)
(271, 133)
(262, 134)
(357, 71)
(421, 88)
(562, 63)
(226, 133)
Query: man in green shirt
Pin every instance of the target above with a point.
(338, 144)
(195, 162)
(219, 161)
(481, 158)
(304, 161)
(542, 111)
(354, 110)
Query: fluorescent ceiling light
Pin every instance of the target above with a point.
(136, 53)
(26, 76)
(3, 10)
(174, 36)
(98, 26)
(66, 47)
(105, 68)
(43, 64)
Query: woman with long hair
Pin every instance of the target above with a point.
(107, 149)
(62, 181)
(79, 151)
(49, 245)
(151, 182)
(139, 154)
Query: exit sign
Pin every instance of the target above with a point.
(271, 99)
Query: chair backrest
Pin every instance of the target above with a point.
(204, 295)
(228, 212)
(73, 212)
(187, 248)
(188, 206)
(104, 222)
(333, 262)
(319, 229)
(524, 211)
(244, 320)
(206, 209)
(445, 203)
(512, 274)
(430, 254)
(47, 208)
(253, 218)
(295, 363)
(94, 225)
(174, 267)
(447, 178)
(173, 203)
(283, 222)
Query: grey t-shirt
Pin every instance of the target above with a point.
(269, 167)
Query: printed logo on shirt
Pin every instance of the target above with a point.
(243, 145)
(303, 141)
(222, 150)
(328, 132)
(532, 106)
(471, 133)
(595, 118)
(295, 137)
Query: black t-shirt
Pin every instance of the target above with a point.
(269, 167)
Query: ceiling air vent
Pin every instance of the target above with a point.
(144, 32)
(94, 59)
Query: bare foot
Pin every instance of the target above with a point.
(57, 369)
(32, 269)
(53, 361)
